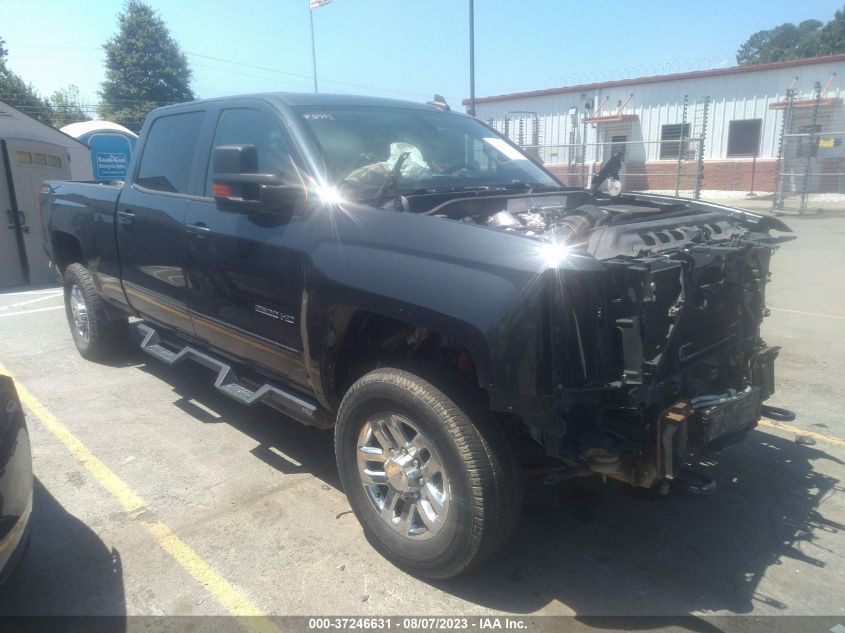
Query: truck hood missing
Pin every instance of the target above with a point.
(630, 226)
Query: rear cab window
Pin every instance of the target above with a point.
(169, 151)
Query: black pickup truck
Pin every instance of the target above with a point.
(409, 277)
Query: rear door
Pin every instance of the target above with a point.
(31, 163)
(246, 272)
(151, 219)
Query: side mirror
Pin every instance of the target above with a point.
(239, 188)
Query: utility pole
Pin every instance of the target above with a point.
(313, 50)
(471, 58)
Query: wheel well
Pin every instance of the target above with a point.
(66, 251)
(370, 340)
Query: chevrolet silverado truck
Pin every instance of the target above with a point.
(407, 276)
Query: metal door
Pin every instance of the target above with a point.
(246, 273)
(31, 163)
(11, 264)
(151, 235)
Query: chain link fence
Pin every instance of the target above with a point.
(807, 175)
(811, 174)
(668, 166)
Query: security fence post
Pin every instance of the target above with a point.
(812, 149)
(681, 145)
(702, 138)
(785, 128)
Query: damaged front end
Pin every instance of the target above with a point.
(659, 356)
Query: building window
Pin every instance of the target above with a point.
(670, 144)
(618, 143)
(744, 137)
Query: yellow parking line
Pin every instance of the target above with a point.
(788, 428)
(232, 598)
(235, 601)
(131, 503)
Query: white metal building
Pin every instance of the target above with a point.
(737, 113)
(30, 153)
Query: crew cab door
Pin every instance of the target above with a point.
(150, 219)
(246, 272)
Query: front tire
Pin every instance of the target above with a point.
(426, 469)
(95, 335)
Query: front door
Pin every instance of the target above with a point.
(150, 220)
(31, 163)
(246, 273)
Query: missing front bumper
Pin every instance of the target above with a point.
(705, 425)
(721, 421)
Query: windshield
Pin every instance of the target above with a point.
(433, 150)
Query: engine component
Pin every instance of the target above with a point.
(504, 220)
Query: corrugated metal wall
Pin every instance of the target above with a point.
(732, 97)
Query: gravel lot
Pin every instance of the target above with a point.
(256, 497)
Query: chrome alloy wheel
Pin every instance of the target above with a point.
(403, 476)
(79, 312)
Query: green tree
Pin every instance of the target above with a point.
(831, 39)
(19, 94)
(66, 106)
(145, 68)
(810, 38)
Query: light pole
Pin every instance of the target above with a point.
(471, 58)
(313, 48)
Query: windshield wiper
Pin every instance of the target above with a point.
(531, 186)
(455, 189)
(497, 187)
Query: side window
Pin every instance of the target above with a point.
(478, 157)
(169, 152)
(245, 126)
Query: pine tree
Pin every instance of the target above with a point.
(145, 68)
(810, 38)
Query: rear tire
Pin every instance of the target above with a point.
(96, 334)
(426, 469)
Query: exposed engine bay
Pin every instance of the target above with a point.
(630, 226)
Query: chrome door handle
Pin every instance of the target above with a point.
(125, 217)
(198, 229)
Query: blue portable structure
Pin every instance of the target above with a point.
(111, 147)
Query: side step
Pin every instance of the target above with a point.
(296, 406)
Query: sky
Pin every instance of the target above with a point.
(408, 49)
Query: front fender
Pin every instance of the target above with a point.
(481, 288)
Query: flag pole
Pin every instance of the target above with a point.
(471, 58)
(313, 49)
